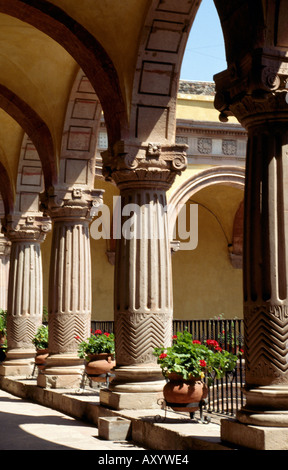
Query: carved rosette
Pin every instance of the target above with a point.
(154, 165)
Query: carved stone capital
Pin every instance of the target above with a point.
(146, 165)
(70, 204)
(28, 228)
(254, 89)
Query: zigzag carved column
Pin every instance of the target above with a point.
(261, 105)
(143, 288)
(70, 284)
(25, 297)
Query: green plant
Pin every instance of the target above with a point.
(3, 322)
(97, 343)
(45, 315)
(190, 358)
(40, 339)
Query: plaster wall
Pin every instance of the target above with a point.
(205, 284)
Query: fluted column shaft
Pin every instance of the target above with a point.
(70, 285)
(266, 256)
(4, 271)
(143, 308)
(25, 293)
(257, 96)
(69, 303)
(143, 294)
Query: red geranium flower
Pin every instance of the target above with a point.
(162, 356)
(202, 363)
(97, 332)
(106, 334)
(212, 342)
(196, 341)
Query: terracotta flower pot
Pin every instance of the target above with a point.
(99, 366)
(2, 339)
(40, 358)
(184, 395)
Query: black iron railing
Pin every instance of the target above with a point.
(225, 396)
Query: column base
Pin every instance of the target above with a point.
(18, 363)
(61, 371)
(254, 437)
(130, 401)
(134, 388)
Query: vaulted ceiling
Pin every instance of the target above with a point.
(44, 44)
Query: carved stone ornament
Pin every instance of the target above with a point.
(229, 147)
(135, 347)
(149, 163)
(255, 87)
(266, 328)
(29, 228)
(74, 203)
(204, 145)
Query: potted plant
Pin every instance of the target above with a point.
(98, 351)
(3, 326)
(186, 364)
(40, 341)
(3, 334)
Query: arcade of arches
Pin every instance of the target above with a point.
(92, 109)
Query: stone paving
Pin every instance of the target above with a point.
(36, 418)
(30, 426)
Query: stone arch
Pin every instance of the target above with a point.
(85, 49)
(80, 134)
(35, 127)
(230, 175)
(30, 180)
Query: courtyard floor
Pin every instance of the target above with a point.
(46, 419)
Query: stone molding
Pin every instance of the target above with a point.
(254, 88)
(145, 165)
(76, 203)
(29, 228)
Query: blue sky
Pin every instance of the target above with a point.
(205, 54)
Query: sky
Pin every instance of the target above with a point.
(205, 54)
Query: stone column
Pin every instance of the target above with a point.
(4, 270)
(25, 297)
(263, 110)
(69, 303)
(143, 309)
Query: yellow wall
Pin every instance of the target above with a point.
(204, 282)
(198, 108)
(102, 270)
